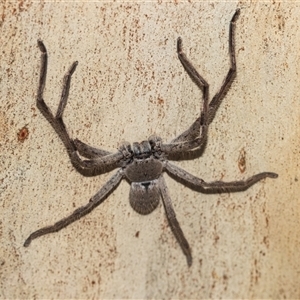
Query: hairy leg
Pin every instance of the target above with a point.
(187, 145)
(217, 186)
(88, 151)
(217, 99)
(171, 216)
(80, 212)
(86, 167)
(194, 130)
(190, 138)
(56, 122)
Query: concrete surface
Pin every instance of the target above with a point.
(128, 85)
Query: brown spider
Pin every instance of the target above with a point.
(142, 164)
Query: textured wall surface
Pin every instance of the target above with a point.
(128, 85)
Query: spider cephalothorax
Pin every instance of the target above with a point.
(143, 164)
(142, 170)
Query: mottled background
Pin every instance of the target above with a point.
(128, 85)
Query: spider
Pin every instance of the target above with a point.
(142, 164)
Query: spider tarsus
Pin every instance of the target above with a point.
(72, 68)
(27, 242)
(189, 260)
(179, 45)
(236, 15)
(41, 46)
(271, 175)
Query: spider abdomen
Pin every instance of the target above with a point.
(144, 196)
(143, 170)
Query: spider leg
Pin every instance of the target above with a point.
(187, 145)
(194, 130)
(80, 212)
(88, 151)
(97, 165)
(102, 159)
(171, 216)
(217, 186)
(190, 139)
(56, 122)
(217, 99)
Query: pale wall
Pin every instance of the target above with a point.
(128, 85)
